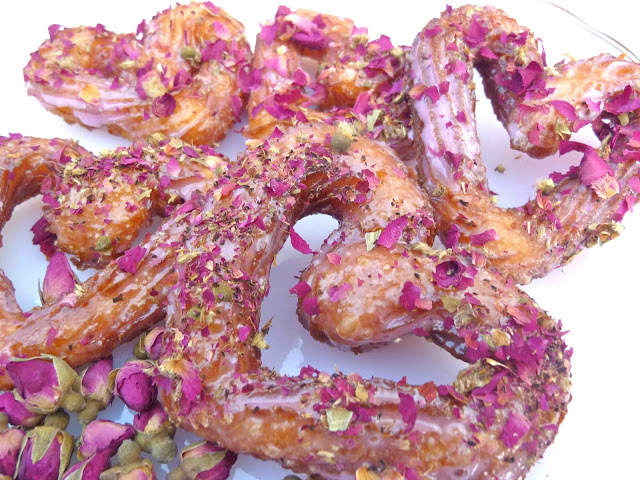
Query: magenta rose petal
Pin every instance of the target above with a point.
(90, 468)
(164, 105)
(10, 442)
(154, 421)
(58, 279)
(16, 411)
(135, 387)
(45, 454)
(103, 435)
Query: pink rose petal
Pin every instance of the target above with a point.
(410, 295)
(481, 239)
(515, 428)
(104, 435)
(129, 261)
(392, 232)
(164, 105)
(408, 410)
(299, 243)
(58, 279)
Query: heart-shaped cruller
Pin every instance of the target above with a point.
(540, 107)
(178, 75)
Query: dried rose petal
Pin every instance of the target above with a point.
(135, 387)
(43, 238)
(593, 167)
(515, 428)
(103, 435)
(299, 243)
(154, 421)
(94, 382)
(90, 468)
(206, 461)
(408, 410)
(566, 109)
(392, 232)
(58, 280)
(481, 239)
(41, 381)
(153, 342)
(45, 454)
(10, 442)
(129, 261)
(410, 295)
(449, 273)
(17, 412)
(164, 105)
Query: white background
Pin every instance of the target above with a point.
(594, 296)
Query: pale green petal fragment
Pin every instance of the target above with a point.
(338, 419)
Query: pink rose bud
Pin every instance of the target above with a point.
(17, 413)
(142, 470)
(153, 342)
(41, 381)
(10, 442)
(94, 382)
(45, 454)
(206, 461)
(59, 279)
(135, 387)
(90, 468)
(154, 421)
(103, 435)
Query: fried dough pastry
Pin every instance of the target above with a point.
(310, 66)
(381, 281)
(540, 107)
(99, 204)
(177, 75)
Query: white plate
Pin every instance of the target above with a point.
(594, 296)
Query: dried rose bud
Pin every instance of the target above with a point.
(59, 420)
(135, 387)
(89, 468)
(45, 454)
(153, 342)
(94, 382)
(129, 452)
(10, 442)
(59, 279)
(204, 461)
(41, 381)
(73, 402)
(17, 413)
(154, 421)
(142, 470)
(163, 449)
(103, 435)
(89, 413)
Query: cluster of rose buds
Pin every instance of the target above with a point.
(37, 446)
